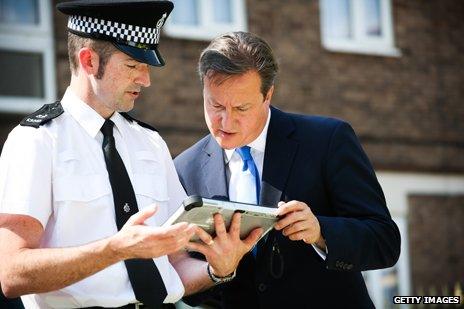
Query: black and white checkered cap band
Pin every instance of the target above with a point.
(121, 31)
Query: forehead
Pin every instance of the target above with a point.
(248, 81)
(119, 56)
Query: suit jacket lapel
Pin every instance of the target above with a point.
(278, 158)
(213, 169)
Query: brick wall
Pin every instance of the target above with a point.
(436, 241)
(407, 111)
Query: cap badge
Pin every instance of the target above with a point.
(160, 22)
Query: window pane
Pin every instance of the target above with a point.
(185, 12)
(21, 74)
(373, 18)
(19, 12)
(389, 282)
(222, 11)
(338, 18)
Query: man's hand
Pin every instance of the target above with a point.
(136, 240)
(299, 223)
(225, 251)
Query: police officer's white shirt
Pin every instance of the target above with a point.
(242, 187)
(57, 174)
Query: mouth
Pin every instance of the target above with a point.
(225, 133)
(134, 94)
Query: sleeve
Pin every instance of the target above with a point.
(175, 190)
(361, 235)
(26, 174)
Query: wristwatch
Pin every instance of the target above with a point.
(219, 280)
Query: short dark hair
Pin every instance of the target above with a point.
(236, 53)
(104, 50)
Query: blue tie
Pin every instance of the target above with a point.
(249, 164)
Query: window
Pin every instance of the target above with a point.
(205, 19)
(27, 78)
(358, 26)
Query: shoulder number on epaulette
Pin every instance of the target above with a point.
(43, 115)
(142, 124)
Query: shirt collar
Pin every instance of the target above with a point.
(86, 116)
(259, 144)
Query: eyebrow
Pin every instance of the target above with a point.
(243, 105)
(213, 101)
(131, 59)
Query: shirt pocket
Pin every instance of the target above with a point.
(71, 162)
(83, 210)
(152, 189)
(147, 162)
(80, 188)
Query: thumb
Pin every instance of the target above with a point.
(253, 237)
(140, 217)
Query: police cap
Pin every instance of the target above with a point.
(132, 26)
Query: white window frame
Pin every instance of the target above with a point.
(398, 187)
(207, 28)
(360, 42)
(37, 38)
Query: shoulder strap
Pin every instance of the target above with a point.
(43, 115)
(142, 124)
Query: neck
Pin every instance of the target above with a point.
(83, 88)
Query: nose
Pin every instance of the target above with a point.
(226, 120)
(143, 78)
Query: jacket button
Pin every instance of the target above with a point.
(262, 287)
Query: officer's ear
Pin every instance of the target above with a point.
(88, 61)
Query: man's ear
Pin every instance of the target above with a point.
(269, 94)
(88, 61)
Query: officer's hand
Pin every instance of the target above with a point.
(136, 240)
(299, 223)
(225, 251)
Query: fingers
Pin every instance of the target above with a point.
(142, 215)
(176, 237)
(234, 229)
(253, 237)
(290, 219)
(197, 247)
(285, 208)
(220, 226)
(181, 229)
(204, 236)
(296, 227)
(298, 236)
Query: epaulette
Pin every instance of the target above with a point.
(43, 115)
(142, 124)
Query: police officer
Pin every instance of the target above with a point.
(78, 178)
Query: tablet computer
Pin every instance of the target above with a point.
(200, 211)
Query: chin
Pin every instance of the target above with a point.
(225, 144)
(126, 107)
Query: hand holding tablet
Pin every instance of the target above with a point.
(200, 211)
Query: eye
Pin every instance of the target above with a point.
(130, 66)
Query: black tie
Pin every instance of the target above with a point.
(144, 277)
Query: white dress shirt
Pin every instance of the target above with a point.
(241, 183)
(242, 186)
(57, 174)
